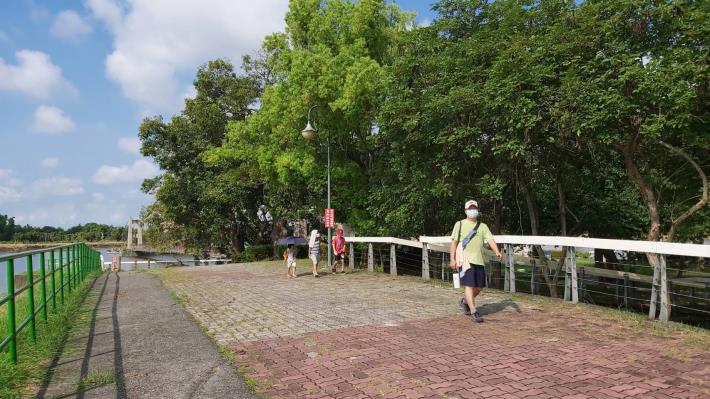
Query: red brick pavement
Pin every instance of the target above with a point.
(531, 354)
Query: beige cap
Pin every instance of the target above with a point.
(471, 203)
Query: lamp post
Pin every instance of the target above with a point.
(309, 133)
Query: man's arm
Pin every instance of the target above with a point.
(494, 246)
(452, 254)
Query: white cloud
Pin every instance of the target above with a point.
(108, 11)
(136, 172)
(57, 186)
(98, 197)
(131, 145)
(9, 194)
(56, 214)
(70, 25)
(156, 40)
(49, 119)
(34, 75)
(50, 163)
(8, 178)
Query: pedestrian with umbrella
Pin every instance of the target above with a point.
(290, 253)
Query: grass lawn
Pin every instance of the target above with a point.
(33, 357)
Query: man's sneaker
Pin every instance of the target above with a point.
(464, 306)
(477, 318)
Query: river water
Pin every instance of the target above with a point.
(21, 263)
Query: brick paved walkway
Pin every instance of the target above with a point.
(368, 335)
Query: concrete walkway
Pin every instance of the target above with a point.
(136, 342)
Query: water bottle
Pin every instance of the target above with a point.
(457, 278)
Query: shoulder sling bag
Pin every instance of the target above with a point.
(470, 235)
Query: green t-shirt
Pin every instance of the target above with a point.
(474, 249)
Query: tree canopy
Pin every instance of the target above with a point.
(560, 117)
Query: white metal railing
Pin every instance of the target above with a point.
(656, 251)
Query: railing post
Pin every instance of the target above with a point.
(61, 276)
(370, 258)
(664, 315)
(506, 279)
(351, 257)
(31, 296)
(70, 272)
(43, 285)
(510, 261)
(626, 291)
(75, 263)
(582, 288)
(12, 345)
(571, 290)
(53, 280)
(654, 287)
(444, 265)
(533, 276)
(425, 261)
(393, 260)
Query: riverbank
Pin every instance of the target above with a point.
(19, 246)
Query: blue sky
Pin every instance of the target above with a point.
(78, 76)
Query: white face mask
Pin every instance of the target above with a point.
(472, 213)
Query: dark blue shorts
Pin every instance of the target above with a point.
(475, 276)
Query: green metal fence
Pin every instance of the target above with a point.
(61, 270)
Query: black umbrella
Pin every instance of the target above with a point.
(292, 240)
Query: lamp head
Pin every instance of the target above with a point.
(309, 133)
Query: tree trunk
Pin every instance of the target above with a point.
(562, 200)
(235, 240)
(647, 194)
(278, 230)
(704, 199)
(534, 215)
(496, 217)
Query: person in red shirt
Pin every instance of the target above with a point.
(339, 250)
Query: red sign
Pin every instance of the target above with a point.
(329, 218)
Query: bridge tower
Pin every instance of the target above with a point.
(137, 226)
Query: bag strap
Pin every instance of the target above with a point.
(470, 235)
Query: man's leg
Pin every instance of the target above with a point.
(342, 264)
(470, 300)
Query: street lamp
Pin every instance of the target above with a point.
(309, 133)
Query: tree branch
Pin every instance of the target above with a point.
(698, 205)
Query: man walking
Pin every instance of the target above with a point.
(339, 250)
(466, 254)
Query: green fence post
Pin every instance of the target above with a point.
(53, 280)
(70, 266)
(12, 345)
(43, 286)
(31, 297)
(79, 274)
(79, 263)
(61, 276)
(83, 262)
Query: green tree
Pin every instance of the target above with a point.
(211, 204)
